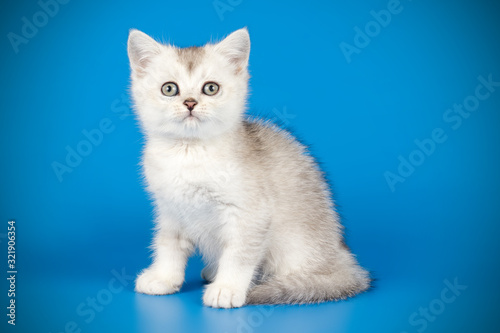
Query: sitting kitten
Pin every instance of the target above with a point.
(246, 194)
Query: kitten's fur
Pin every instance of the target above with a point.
(246, 194)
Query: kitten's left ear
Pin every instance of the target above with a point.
(141, 48)
(236, 48)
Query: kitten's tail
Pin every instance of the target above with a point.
(303, 288)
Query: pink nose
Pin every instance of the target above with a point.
(190, 103)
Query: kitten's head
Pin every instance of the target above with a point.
(189, 93)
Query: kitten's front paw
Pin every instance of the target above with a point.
(152, 283)
(220, 296)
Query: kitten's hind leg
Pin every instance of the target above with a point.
(208, 274)
(166, 273)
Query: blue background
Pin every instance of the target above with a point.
(359, 117)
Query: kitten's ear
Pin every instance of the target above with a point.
(140, 49)
(236, 48)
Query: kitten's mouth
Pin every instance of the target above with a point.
(191, 117)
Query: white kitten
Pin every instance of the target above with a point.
(246, 194)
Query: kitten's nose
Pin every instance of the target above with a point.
(190, 103)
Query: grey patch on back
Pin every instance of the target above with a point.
(190, 57)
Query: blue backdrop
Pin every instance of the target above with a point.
(399, 101)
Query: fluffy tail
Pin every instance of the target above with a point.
(304, 288)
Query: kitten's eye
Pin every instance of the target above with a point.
(169, 89)
(210, 88)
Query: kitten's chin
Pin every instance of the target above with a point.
(186, 129)
(192, 128)
(191, 120)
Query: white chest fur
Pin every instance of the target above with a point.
(192, 183)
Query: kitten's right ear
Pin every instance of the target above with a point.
(141, 48)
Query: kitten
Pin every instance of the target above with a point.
(245, 193)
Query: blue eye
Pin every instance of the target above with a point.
(210, 88)
(169, 89)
